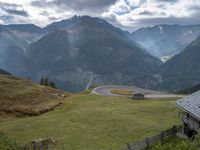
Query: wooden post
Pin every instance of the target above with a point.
(40, 146)
(174, 130)
(34, 146)
(147, 142)
(129, 147)
(49, 146)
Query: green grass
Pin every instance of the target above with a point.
(7, 144)
(91, 122)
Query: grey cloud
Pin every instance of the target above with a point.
(9, 5)
(16, 12)
(170, 20)
(13, 9)
(194, 7)
(78, 5)
(167, 1)
(44, 13)
(146, 13)
(53, 18)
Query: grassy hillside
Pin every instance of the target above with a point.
(19, 96)
(91, 122)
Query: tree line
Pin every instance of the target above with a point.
(46, 82)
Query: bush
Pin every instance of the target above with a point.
(180, 145)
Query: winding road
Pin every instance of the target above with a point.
(106, 91)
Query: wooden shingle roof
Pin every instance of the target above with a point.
(191, 104)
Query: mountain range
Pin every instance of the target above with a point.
(81, 51)
(165, 41)
(87, 50)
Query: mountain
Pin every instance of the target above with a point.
(182, 71)
(31, 28)
(165, 41)
(12, 53)
(85, 22)
(89, 50)
(27, 32)
(26, 98)
(189, 90)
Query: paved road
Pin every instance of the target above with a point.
(106, 91)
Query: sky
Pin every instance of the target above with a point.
(127, 14)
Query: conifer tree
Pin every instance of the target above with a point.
(42, 81)
(52, 84)
(46, 82)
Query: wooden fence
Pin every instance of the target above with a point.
(42, 144)
(150, 141)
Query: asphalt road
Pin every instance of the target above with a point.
(106, 91)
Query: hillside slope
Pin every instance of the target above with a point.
(89, 52)
(182, 71)
(26, 97)
(12, 54)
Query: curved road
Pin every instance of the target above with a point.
(106, 91)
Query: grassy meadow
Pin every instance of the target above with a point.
(92, 122)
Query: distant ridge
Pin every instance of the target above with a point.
(166, 40)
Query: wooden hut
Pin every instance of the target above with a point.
(139, 96)
(190, 113)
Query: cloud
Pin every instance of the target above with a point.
(13, 9)
(127, 14)
(168, 1)
(146, 12)
(16, 12)
(77, 5)
(152, 12)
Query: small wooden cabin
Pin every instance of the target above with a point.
(190, 113)
(139, 96)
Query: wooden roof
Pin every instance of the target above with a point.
(191, 104)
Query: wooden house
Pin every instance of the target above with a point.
(139, 96)
(190, 113)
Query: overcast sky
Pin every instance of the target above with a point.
(128, 14)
